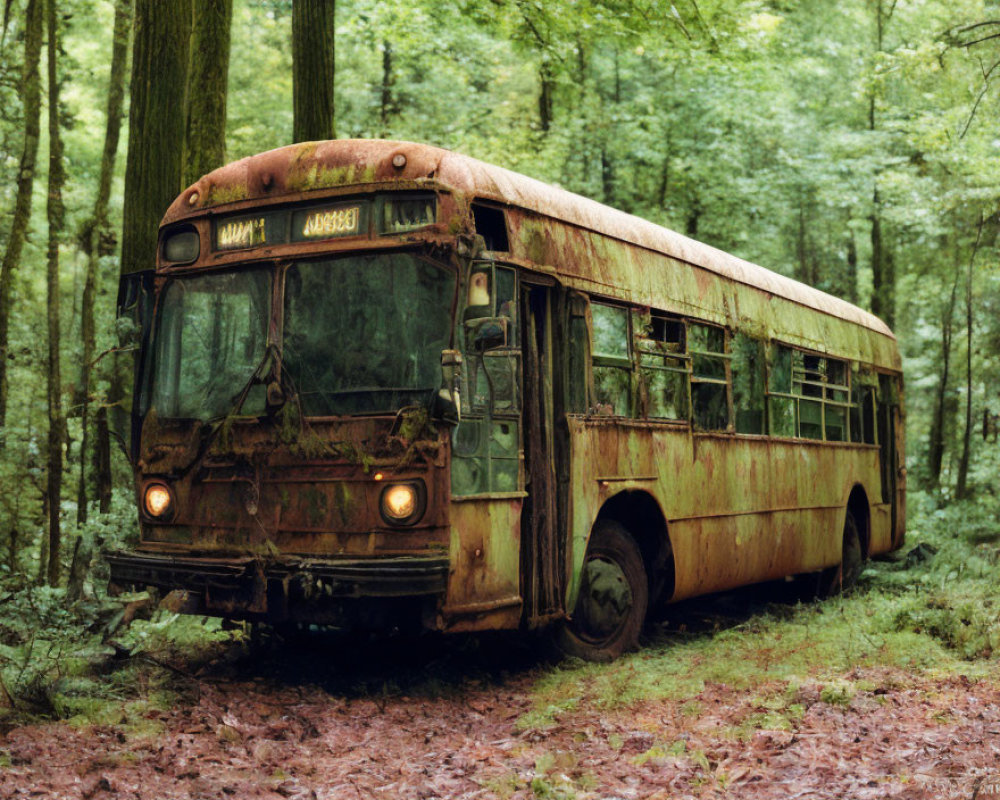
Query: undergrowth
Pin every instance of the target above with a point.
(931, 609)
(95, 659)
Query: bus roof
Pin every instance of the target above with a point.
(301, 169)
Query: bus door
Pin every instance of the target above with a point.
(542, 550)
(890, 453)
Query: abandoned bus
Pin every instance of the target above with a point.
(383, 383)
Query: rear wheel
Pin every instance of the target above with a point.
(838, 579)
(614, 593)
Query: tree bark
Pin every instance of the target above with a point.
(56, 216)
(546, 90)
(32, 99)
(852, 268)
(313, 41)
(209, 77)
(961, 485)
(154, 165)
(153, 170)
(388, 105)
(935, 440)
(97, 234)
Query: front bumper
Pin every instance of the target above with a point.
(282, 588)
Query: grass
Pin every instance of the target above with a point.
(936, 616)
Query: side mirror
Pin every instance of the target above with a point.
(448, 403)
(487, 333)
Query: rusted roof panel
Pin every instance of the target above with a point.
(314, 166)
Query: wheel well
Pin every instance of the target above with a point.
(857, 507)
(642, 517)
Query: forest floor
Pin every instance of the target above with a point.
(892, 692)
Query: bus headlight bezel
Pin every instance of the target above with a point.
(400, 511)
(158, 495)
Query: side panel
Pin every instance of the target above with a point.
(739, 509)
(483, 585)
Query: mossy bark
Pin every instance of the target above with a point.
(56, 213)
(205, 147)
(153, 171)
(31, 94)
(154, 166)
(313, 70)
(97, 235)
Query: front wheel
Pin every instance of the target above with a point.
(614, 593)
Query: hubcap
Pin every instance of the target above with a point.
(605, 600)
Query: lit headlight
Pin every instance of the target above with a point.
(402, 503)
(158, 501)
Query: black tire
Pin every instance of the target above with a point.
(614, 595)
(844, 576)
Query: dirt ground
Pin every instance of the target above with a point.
(332, 718)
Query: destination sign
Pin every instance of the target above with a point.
(326, 223)
(238, 234)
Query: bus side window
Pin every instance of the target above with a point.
(663, 367)
(837, 401)
(807, 385)
(709, 377)
(576, 383)
(780, 403)
(748, 383)
(863, 381)
(612, 362)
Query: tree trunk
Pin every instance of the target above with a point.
(56, 216)
(935, 441)
(155, 160)
(388, 106)
(961, 485)
(852, 268)
(883, 271)
(313, 41)
(97, 235)
(545, 92)
(31, 96)
(209, 76)
(153, 170)
(102, 460)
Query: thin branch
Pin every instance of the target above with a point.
(676, 18)
(979, 99)
(980, 41)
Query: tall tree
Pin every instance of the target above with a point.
(153, 169)
(883, 300)
(56, 213)
(97, 237)
(313, 42)
(32, 98)
(154, 175)
(961, 485)
(936, 437)
(205, 147)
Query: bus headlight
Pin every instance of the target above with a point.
(402, 503)
(158, 501)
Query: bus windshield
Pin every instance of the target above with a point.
(211, 337)
(364, 334)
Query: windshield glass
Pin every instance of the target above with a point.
(211, 337)
(364, 334)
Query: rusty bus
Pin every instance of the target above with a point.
(381, 382)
